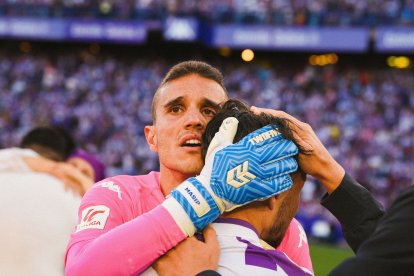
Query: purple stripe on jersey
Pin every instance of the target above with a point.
(237, 222)
(270, 259)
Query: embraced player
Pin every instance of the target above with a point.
(44, 149)
(38, 204)
(121, 219)
(250, 235)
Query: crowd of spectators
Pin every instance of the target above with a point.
(364, 117)
(370, 13)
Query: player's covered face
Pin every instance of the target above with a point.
(183, 109)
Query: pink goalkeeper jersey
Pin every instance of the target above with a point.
(122, 229)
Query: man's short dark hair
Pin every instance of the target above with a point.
(248, 122)
(186, 68)
(71, 145)
(46, 139)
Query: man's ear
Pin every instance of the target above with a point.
(272, 202)
(151, 136)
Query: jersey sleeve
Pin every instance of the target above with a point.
(360, 216)
(113, 238)
(295, 245)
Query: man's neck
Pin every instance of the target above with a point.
(171, 179)
(245, 216)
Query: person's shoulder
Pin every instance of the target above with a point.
(123, 193)
(19, 151)
(132, 185)
(128, 181)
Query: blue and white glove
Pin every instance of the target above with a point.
(255, 168)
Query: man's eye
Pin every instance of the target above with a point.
(209, 112)
(175, 109)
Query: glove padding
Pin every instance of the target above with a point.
(255, 168)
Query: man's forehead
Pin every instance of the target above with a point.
(187, 99)
(185, 89)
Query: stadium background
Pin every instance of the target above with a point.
(345, 67)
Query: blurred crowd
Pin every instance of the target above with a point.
(370, 13)
(365, 117)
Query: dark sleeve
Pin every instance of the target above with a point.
(208, 273)
(390, 249)
(356, 209)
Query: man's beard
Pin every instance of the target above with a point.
(280, 224)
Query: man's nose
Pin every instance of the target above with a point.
(194, 119)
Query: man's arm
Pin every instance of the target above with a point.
(356, 209)
(26, 160)
(389, 250)
(114, 237)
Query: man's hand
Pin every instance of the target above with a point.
(83, 166)
(72, 178)
(191, 256)
(316, 160)
(255, 168)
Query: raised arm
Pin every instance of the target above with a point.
(356, 209)
(353, 205)
(389, 249)
(315, 160)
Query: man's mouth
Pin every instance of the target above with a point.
(192, 143)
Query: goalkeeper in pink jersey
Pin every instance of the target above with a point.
(125, 222)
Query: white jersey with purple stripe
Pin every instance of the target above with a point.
(242, 252)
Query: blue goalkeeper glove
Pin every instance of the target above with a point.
(255, 168)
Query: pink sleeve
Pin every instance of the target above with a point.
(110, 241)
(295, 245)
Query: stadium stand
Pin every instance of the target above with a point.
(278, 12)
(364, 116)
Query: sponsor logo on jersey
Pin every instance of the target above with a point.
(264, 136)
(93, 217)
(240, 175)
(112, 187)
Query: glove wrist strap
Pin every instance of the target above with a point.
(197, 202)
(219, 202)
